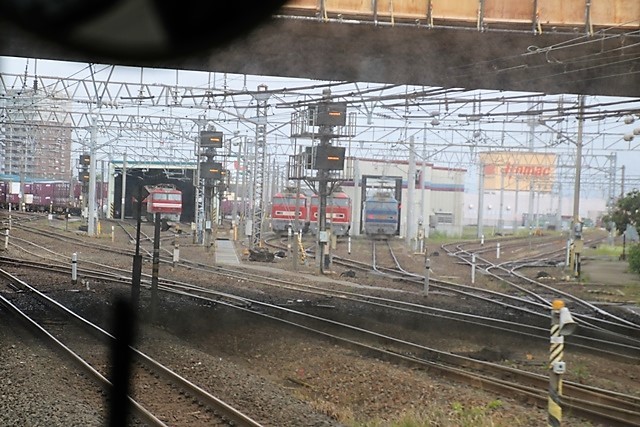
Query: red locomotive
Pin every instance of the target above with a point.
(164, 199)
(284, 213)
(338, 213)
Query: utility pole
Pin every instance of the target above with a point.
(123, 198)
(91, 226)
(411, 189)
(261, 97)
(576, 225)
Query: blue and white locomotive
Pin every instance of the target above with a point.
(381, 214)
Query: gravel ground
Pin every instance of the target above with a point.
(279, 377)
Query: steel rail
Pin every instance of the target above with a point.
(227, 410)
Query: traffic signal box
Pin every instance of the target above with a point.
(210, 139)
(84, 162)
(328, 114)
(212, 170)
(325, 158)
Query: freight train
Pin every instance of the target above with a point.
(289, 210)
(381, 215)
(47, 195)
(338, 214)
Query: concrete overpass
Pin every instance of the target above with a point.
(548, 46)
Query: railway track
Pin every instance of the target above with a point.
(399, 351)
(593, 403)
(604, 336)
(94, 362)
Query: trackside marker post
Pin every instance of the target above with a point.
(427, 268)
(561, 324)
(176, 251)
(473, 269)
(74, 268)
(498, 251)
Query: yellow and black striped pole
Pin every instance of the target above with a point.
(556, 367)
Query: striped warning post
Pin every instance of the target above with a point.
(556, 354)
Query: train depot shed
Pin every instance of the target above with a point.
(430, 201)
(140, 174)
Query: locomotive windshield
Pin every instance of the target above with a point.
(381, 206)
(342, 202)
(166, 196)
(291, 201)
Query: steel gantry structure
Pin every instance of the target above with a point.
(161, 121)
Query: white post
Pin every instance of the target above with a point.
(349, 245)
(568, 253)
(427, 268)
(6, 239)
(498, 251)
(74, 268)
(473, 269)
(176, 252)
(482, 240)
(113, 233)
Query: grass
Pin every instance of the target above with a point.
(604, 250)
(456, 414)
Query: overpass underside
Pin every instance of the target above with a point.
(572, 46)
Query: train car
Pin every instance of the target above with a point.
(164, 199)
(381, 215)
(338, 214)
(284, 213)
(40, 195)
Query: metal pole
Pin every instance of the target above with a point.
(480, 200)
(234, 210)
(411, 187)
(91, 229)
(578, 170)
(500, 213)
(155, 268)
(136, 273)
(124, 186)
(576, 192)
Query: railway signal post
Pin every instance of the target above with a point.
(325, 159)
(212, 173)
(562, 324)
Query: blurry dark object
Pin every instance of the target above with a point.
(348, 273)
(260, 254)
(139, 29)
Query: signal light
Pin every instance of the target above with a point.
(210, 139)
(211, 170)
(83, 176)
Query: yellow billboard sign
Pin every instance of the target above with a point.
(518, 171)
